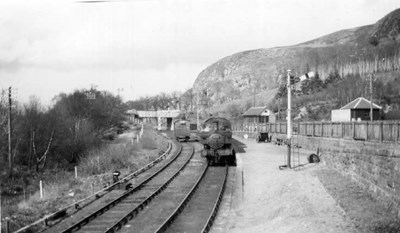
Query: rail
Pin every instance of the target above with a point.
(93, 215)
(213, 214)
(83, 202)
(382, 131)
(182, 205)
(119, 223)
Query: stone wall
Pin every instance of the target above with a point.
(374, 165)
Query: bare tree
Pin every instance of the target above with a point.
(41, 159)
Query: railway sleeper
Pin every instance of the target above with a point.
(136, 209)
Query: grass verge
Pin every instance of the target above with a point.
(61, 188)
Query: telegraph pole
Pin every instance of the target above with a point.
(254, 96)
(371, 113)
(279, 108)
(289, 119)
(10, 162)
(197, 109)
(0, 210)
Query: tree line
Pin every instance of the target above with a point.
(162, 101)
(337, 90)
(57, 135)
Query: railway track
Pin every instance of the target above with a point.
(181, 197)
(115, 198)
(197, 213)
(73, 209)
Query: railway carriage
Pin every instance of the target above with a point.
(182, 130)
(216, 137)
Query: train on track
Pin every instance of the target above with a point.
(216, 137)
(183, 130)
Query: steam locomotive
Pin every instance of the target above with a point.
(216, 137)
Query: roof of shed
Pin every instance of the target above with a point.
(360, 103)
(168, 113)
(254, 111)
(132, 112)
(147, 113)
(159, 113)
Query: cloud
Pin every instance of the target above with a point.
(136, 35)
(157, 45)
(10, 65)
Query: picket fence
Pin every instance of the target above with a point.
(360, 130)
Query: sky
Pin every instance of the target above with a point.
(144, 47)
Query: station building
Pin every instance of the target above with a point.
(258, 115)
(162, 119)
(357, 110)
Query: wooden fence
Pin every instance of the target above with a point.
(361, 130)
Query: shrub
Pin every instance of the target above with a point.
(107, 158)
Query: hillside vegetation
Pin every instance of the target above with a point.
(350, 56)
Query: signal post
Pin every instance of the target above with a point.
(289, 116)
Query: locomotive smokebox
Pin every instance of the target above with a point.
(216, 141)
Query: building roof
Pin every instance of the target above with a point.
(159, 113)
(132, 112)
(147, 114)
(360, 103)
(168, 113)
(254, 111)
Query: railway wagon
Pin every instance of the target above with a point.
(216, 137)
(182, 130)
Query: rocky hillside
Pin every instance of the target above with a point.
(363, 49)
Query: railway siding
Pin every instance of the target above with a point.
(141, 176)
(152, 217)
(116, 215)
(198, 212)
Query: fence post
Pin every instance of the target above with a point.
(381, 131)
(354, 129)
(331, 129)
(41, 189)
(313, 128)
(341, 130)
(8, 225)
(322, 129)
(298, 128)
(397, 132)
(366, 131)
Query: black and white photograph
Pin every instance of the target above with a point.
(195, 116)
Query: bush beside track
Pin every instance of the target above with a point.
(94, 172)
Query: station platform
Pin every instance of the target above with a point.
(260, 197)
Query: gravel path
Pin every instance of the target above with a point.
(262, 198)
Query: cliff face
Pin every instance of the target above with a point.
(245, 73)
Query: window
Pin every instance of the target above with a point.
(263, 119)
